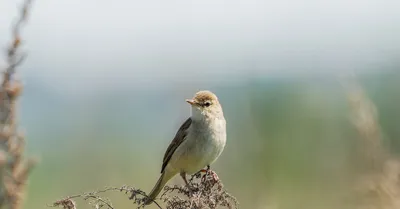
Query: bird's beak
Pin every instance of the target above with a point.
(191, 101)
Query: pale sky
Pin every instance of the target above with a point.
(153, 42)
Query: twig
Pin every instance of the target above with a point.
(204, 192)
(134, 195)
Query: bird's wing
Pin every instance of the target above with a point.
(178, 139)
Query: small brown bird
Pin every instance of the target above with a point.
(197, 144)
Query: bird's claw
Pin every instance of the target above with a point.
(208, 172)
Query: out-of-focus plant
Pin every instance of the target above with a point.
(377, 183)
(14, 168)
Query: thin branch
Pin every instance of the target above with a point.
(135, 194)
(204, 192)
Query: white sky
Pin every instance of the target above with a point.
(79, 42)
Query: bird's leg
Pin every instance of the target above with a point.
(209, 171)
(190, 188)
(198, 174)
(205, 170)
(183, 175)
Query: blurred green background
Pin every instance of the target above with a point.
(290, 139)
(106, 83)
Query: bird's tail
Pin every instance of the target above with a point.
(164, 178)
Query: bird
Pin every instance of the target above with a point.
(197, 144)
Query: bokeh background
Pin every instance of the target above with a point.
(105, 85)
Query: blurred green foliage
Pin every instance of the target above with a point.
(289, 139)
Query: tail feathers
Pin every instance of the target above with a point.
(164, 178)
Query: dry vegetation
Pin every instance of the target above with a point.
(14, 168)
(377, 179)
(205, 193)
(377, 184)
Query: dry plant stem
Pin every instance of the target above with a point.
(205, 192)
(137, 195)
(14, 171)
(365, 120)
(202, 192)
(377, 185)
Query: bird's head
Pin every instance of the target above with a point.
(205, 105)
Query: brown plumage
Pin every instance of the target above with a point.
(178, 139)
(202, 97)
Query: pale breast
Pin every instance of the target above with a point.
(201, 148)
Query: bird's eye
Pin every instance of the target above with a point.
(207, 104)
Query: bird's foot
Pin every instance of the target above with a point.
(207, 172)
(203, 178)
